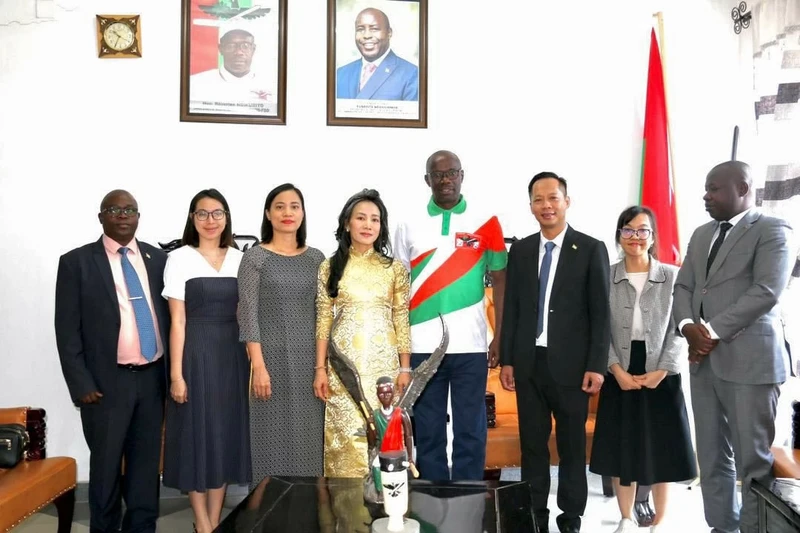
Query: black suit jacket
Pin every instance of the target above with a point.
(578, 329)
(87, 315)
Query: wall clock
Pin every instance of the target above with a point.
(119, 36)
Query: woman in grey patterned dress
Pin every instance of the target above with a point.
(277, 284)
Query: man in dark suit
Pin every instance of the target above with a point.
(111, 329)
(554, 346)
(379, 74)
(726, 305)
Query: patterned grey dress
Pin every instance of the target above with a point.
(276, 308)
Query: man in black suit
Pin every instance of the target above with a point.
(111, 329)
(554, 346)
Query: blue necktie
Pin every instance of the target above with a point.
(144, 319)
(544, 275)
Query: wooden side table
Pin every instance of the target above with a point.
(778, 506)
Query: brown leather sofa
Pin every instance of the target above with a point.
(35, 483)
(502, 442)
(786, 463)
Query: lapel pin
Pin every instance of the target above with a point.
(574, 246)
(147, 255)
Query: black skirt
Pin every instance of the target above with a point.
(643, 435)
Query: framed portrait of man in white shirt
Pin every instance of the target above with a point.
(233, 61)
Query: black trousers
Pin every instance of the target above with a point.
(538, 395)
(126, 422)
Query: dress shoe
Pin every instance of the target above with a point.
(643, 513)
(541, 523)
(568, 524)
(626, 525)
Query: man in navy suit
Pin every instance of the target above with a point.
(379, 74)
(111, 330)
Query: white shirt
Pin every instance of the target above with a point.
(365, 67)
(421, 236)
(377, 62)
(638, 280)
(218, 90)
(733, 221)
(187, 263)
(559, 242)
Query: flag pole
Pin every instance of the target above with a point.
(735, 146)
(659, 16)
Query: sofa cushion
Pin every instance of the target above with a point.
(503, 450)
(786, 463)
(13, 415)
(31, 485)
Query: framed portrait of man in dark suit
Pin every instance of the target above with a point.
(233, 61)
(377, 63)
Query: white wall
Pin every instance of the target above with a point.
(525, 87)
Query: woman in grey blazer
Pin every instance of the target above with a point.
(642, 431)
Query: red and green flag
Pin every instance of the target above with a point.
(657, 191)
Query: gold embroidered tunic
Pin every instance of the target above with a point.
(373, 331)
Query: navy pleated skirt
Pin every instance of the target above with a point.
(207, 441)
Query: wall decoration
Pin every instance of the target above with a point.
(377, 63)
(119, 36)
(233, 61)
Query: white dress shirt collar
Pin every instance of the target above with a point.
(558, 240)
(377, 62)
(735, 220)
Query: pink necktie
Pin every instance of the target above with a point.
(366, 72)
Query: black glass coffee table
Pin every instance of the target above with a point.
(320, 505)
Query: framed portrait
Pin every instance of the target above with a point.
(378, 63)
(233, 61)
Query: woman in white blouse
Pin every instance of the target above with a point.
(642, 432)
(207, 442)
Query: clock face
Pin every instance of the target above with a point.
(118, 36)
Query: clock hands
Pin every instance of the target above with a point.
(120, 38)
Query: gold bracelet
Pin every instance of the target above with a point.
(320, 367)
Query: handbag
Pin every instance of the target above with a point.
(13, 442)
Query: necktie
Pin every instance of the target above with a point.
(544, 275)
(723, 229)
(144, 319)
(366, 73)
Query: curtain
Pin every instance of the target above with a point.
(776, 82)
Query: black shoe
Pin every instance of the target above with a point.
(568, 524)
(644, 513)
(541, 523)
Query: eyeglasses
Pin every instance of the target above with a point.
(115, 211)
(628, 233)
(244, 46)
(216, 214)
(438, 175)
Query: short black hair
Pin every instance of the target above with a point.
(267, 231)
(632, 212)
(383, 380)
(562, 183)
(190, 235)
